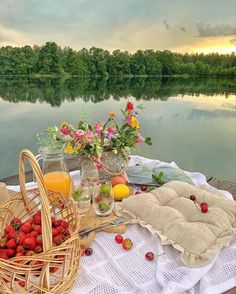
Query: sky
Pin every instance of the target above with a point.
(178, 25)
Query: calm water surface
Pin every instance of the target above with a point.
(191, 122)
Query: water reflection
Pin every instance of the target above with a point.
(55, 91)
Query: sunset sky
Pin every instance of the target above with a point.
(178, 25)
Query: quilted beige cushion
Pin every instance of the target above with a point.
(170, 213)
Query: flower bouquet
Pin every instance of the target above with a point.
(96, 141)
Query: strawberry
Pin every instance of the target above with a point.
(8, 229)
(53, 219)
(38, 249)
(19, 254)
(29, 243)
(26, 228)
(10, 252)
(53, 269)
(192, 197)
(59, 239)
(64, 224)
(118, 239)
(16, 223)
(3, 255)
(67, 232)
(10, 235)
(60, 230)
(21, 283)
(127, 244)
(21, 238)
(57, 223)
(39, 240)
(37, 218)
(54, 232)
(37, 228)
(20, 248)
(11, 244)
(29, 221)
(29, 253)
(34, 234)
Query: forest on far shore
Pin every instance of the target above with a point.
(51, 59)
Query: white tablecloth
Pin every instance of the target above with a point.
(112, 270)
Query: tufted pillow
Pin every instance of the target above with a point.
(168, 212)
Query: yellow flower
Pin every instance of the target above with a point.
(135, 123)
(112, 114)
(69, 149)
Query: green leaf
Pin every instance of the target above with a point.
(77, 194)
(103, 207)
(159, 178)
(148, 141)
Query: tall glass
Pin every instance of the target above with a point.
(82, 197)
(103, 200)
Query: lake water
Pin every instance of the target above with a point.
(191, 122)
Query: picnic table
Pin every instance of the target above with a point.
(113, 270)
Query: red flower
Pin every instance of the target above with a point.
(130, 106)
(65, 130)
(99, 165)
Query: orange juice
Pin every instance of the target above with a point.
(58, 181)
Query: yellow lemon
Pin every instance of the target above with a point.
(120, 191)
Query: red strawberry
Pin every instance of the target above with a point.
(3, 255)
(10, 252)
(60, 230)
(53, 219)
(54, 232)
(8, 229)
(98, 198)
(118, 239)
(21, 238)
(37, 228)
(18, 254)
(127, 244)
(37, 219)
(10, 235)
(204, 207)
(29, 221)
(59, 239)
(29, 243)
(67, 232)
(53, 269)
(20, 248)
(26, 228)
(64, 224)
(29, 253)
(88, 251)
(21, 283)
(16, 223)
(34, 234)
(38, 249)
(39, 240)
(11, 244)
(57, 223)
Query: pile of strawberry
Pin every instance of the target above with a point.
(25, 239)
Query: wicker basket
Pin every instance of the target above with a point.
(37, 272)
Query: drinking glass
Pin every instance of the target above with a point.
(103, 200)
(82, 197)
(89, 176)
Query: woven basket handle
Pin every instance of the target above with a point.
(45, 212)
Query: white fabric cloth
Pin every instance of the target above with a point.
(112, 270)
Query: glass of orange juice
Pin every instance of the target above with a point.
(55, 171)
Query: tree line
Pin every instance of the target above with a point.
(55, 91)
(51, 59)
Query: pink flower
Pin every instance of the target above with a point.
(65, 130)
(110, 133)
(95, 158)
(98, 128)
(140, 138)
(128, 120)
(78, 135)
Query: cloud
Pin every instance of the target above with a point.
(215, 30)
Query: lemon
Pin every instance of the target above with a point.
(120, 191)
